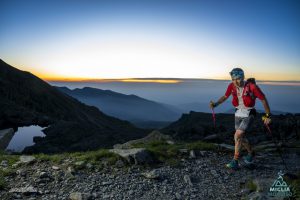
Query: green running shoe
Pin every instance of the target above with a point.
(248, 159)
(234, 164)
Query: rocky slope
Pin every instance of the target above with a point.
(195, 176)
(27, 100)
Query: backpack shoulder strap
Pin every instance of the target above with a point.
(252, 86)
(249, 89)
(251, 83)
(233, 88)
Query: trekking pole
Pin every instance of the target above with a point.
(277, 147)
(268, 127)
(214, 117)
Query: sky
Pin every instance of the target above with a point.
(110, 39)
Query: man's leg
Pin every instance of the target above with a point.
(249, 158)
(238, 140)
(247, 146)
(245, 125)
(238, 136)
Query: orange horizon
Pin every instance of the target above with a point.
(105, 80)
(160, 80)
(165, 80)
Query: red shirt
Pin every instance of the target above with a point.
(250, 92)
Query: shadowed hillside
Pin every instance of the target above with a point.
(127, 107)
(199, 126)
(27, 100)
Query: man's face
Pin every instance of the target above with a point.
(238, 82)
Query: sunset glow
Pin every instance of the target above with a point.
(76, 40)
(129, 80)
(150, 81)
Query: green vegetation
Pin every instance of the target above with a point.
(3, 174)
(2, 183)
(199, 145)
(56, 158)
(95, 157)
(162, 151)
(251, 186)
(11, 159)
(171, 153)
(294, 185)
(7, 172)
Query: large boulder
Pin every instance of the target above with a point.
(27, 159)
(135, 155)
(154, 136)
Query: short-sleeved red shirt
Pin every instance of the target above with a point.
(250, 92)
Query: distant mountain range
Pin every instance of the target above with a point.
(27, 100)
(141, 112)
(135, 109)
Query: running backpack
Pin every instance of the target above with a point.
(250, 84)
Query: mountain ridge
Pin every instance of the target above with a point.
(128, 107)
(27, 100)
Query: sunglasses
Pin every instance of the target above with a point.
(236, 73)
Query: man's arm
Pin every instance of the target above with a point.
(266, 118)
(260, 95)
(266, 106)
(221, 100)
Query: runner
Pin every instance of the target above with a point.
(244, 94)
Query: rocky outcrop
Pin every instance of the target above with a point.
(5, 137)
(27, 159)
(153, 136)
(135, 155)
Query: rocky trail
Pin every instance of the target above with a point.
(200, 175)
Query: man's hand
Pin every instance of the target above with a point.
(212, 104)
(266, 119)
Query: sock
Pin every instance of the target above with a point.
(236, 157)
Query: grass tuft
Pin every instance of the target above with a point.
(2, 183)
(251, 186)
